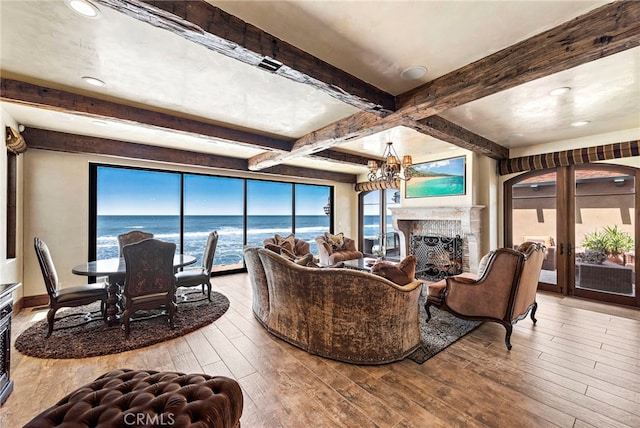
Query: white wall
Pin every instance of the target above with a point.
(57, 196)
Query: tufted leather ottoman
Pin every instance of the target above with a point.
(145, 398)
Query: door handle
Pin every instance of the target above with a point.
(569, 249)
(561, 248)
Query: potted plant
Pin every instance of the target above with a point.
(611, 241)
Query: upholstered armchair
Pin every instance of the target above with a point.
(504, 292)
(298, 247)
(331, 252)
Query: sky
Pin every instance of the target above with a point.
(123, 191)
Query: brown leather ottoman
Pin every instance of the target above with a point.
(145, 398)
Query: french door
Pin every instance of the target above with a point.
(587, 217)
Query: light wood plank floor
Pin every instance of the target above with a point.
(579, 367)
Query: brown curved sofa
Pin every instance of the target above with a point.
(338, 313)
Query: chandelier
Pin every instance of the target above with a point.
(390, 169)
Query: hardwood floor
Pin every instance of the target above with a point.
(578, 367)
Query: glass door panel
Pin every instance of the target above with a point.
(269, 210)
(392, 239)
(604, 233)
(214, 203)
(133, 199)
(371, 225)
(533, 218)
(313, 213)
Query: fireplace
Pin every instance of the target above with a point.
(450, 222)
(438, 256)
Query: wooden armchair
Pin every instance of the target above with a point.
(201, 275)
(504, 293)
(132, 237)
(68, 297)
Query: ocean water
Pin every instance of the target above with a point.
(436, 187)
(196, 228)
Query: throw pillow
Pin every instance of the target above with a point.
(336, 241)
(289, 242)
(304, 260)
(280, 250)
(403, 273)
(484, 262)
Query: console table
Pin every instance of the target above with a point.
(6, 309)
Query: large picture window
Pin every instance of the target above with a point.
(183, 208)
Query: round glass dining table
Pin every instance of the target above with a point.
(115, 269)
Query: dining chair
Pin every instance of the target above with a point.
(132, 237)
(149, 279)
(201, 275)
(69, 296)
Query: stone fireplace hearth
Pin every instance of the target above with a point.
(442, 221)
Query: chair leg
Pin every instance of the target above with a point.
(172, 312)
(209, 291)
(533, 312)
(427, 307)
(507, 337)
(50, 317)
(125, 319)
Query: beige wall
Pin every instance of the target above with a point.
(10, 269)
(57, 196)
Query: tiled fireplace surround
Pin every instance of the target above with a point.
(443, 221)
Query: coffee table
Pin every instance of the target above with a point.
(363, 264)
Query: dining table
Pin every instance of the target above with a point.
(114, 269)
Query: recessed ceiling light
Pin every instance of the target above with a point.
(413, 73)
(559, 91)
(93, 81)
(84, 8)
(580, 123)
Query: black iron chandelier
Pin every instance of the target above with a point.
(390, 170)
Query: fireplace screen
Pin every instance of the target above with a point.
(438, 256)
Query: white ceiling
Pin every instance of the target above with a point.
(45, 43)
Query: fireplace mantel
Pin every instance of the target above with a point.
(468, 213)
(448, 221)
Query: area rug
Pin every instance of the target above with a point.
(440, 332)
(74, 337)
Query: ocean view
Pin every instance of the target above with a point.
(196, 228)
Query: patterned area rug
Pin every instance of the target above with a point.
(75, 337)
(443, 330)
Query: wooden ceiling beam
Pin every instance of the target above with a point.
(215, 29)
(67, 102)
(449, 132)
(607, 30)
(72, 143)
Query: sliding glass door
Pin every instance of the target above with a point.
(134, 199)
(184, 208)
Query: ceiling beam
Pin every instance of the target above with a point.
(215, 29)
(607, 30)
(355, 126)
(67, 102)
(72, 143)
(449, 132)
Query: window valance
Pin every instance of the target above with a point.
(367, 186)
(569, 157)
